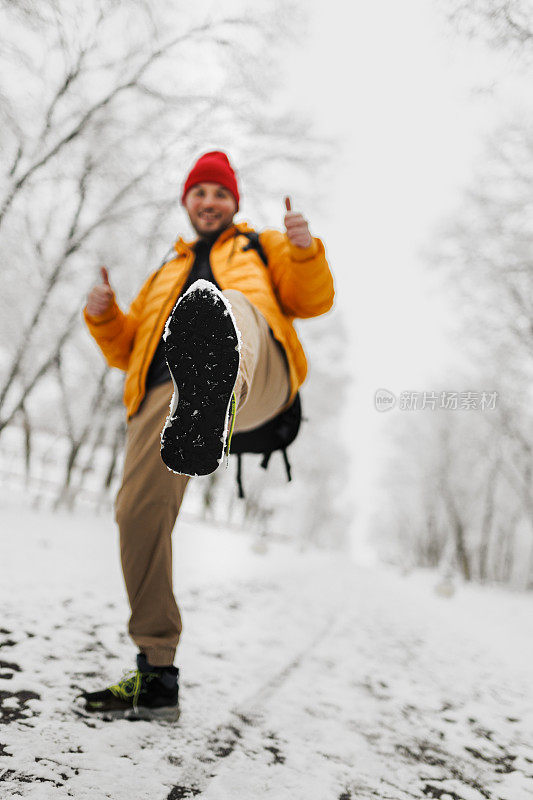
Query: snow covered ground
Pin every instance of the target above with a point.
(303, 675)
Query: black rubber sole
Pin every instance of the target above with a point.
(202, 351)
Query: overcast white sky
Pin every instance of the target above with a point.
(397, 85)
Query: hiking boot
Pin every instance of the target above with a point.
(202, 344)
(149, 693)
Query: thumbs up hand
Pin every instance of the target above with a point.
(296, 227)
(100, 297)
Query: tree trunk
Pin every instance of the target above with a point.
(486, 523)
(118, 442)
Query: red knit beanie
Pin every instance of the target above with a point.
(213, 167)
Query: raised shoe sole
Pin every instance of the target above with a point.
(202, 345)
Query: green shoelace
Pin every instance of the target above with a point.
(233, 412)
(129, 688)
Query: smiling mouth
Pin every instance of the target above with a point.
(206, 217)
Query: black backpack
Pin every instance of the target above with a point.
(276, 434)
(279, 432)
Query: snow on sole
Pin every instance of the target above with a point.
(202, 344)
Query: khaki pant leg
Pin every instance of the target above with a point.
(146, 508)
(263, 385)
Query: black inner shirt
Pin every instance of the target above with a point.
(201, 268)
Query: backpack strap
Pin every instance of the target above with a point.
(287, 464)
(266, 459)
(264, 464)
(239, 475)
(254, 243)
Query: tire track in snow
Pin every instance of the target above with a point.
(223, 739)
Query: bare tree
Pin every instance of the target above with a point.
(103, 119)
(506, 24)
(480, 468)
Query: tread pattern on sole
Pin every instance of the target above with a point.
(202, 344)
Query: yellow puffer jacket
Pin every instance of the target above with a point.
(296, 283)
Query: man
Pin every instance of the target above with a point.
(226, 355)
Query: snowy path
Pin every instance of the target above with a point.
(302, 676)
